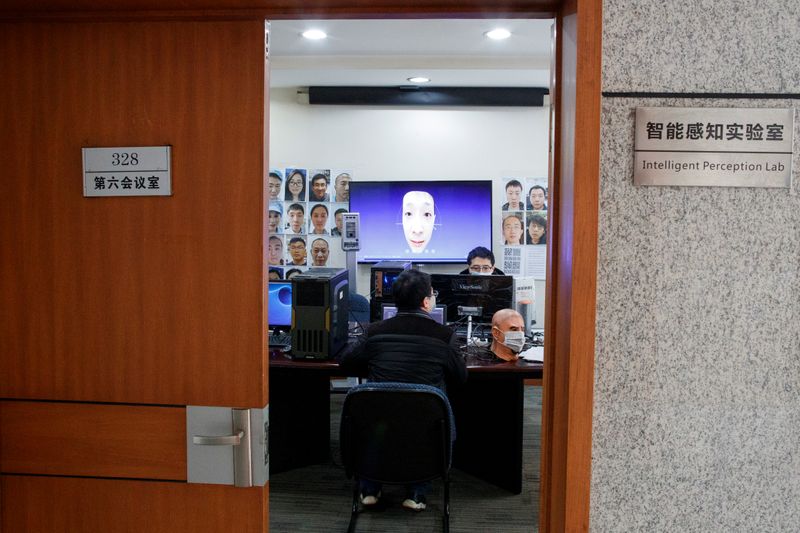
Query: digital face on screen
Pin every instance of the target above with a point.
(418, 219)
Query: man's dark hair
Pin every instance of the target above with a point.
(297, 207)
(275, 175)
(340, 210)
(320, 177)
(537, 187)
(481, 252)
(513, 183)
(410, 288)
(297, 239)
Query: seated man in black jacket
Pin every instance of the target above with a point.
(410, 347)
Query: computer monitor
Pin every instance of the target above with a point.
(432, 221)
(279, 314)
(490, 293)
(438, 313)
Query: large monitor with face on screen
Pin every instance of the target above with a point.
(424, 221)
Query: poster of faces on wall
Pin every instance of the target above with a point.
(305, 219)
(524, 226)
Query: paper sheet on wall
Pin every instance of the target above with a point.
(512, 260)
(525, 290)
(535, 261)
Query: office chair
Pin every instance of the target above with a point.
(397, 433)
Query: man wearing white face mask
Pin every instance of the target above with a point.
(480, 262)
(508, 334)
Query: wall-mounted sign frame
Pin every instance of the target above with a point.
(716, 147)
(127, 171)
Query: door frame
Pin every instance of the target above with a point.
(574, 188)
(571, 283)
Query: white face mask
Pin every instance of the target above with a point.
(480, 273)
(514, 340)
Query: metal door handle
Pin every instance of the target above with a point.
(219, 440)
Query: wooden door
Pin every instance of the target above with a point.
(119, 312)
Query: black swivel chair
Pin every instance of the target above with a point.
(359, 308)
(397, 433)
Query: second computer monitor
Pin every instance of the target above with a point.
(490, 293)
(438, 313)
(279, 313)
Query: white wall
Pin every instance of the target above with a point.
(402, 143)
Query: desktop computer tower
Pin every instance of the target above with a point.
(381, 277)
(320, 309)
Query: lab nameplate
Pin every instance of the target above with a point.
(716, 147)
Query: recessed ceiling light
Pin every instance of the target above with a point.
(314, 35)
(498, 34)
(418, 79)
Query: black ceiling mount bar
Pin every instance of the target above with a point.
(413, 95)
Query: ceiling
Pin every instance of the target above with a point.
(451, 53)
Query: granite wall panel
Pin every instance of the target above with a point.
(697, 364)
(701, 45)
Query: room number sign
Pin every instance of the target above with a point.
(127, 171)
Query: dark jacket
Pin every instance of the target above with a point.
(408, 348)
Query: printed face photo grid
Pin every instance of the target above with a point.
(523, 226)
(306, 223)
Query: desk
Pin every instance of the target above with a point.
(488, 411)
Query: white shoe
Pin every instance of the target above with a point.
(370, 499)
(415, 504)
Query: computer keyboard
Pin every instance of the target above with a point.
(279, 339)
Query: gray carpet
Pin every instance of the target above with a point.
(317, 498)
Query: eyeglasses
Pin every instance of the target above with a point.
(481, 268)
(435, 294)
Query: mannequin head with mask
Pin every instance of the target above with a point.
(508, 334)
